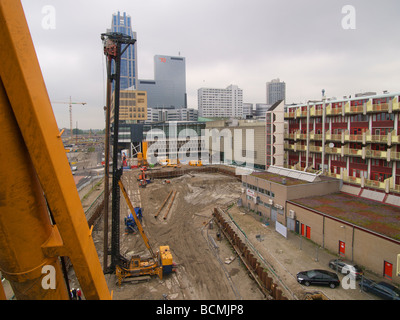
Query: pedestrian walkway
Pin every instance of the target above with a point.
(286, 257)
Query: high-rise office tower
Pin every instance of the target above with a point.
(168, 89)
(122, 23)
(276, 91)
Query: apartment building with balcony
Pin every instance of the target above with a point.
(357, 139)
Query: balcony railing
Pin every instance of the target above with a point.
(353, 180)
(299, 147)
(300, 136)
(387, 185)
(354, 137)
(376, 154)
(395, 104)
(394, 155)
(316, 136)
(353, 152)
(333, 150)
(394, 139)
(289, 136)
(377, 138)
(316, 149)
(288, 146)
(330, 111)
(374, 184)
(384, 107)
(290, 115)
(354, 109)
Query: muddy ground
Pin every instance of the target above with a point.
(209, 269)
(206, 267)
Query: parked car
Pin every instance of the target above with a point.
(381, 289)
(318, 277)
(346, 267)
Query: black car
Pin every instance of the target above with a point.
(381, 289)
(345, 267)
(318, 277)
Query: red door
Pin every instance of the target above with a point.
(387, 270)
(302, 230)
(342, 248)
(308, 232)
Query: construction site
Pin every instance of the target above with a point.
(130, 229)
(165, 236)
(186, 209)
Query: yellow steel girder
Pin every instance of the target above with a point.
(27, 96)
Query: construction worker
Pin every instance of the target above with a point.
(79, 294)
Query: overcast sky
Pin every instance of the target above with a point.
(305, 43)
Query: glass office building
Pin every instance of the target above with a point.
(122, 23)
(168, 88)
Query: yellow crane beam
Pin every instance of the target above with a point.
(46, 174)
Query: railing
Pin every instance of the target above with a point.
(289, 115)
(353, 137)
(353, 152)
(377, 138)
(289, 146)
(333, 137)
(394, 155)
(375, 154)
(315, 136)
(333, 111)
(301, 136)
(300, 147)
(395, 137)
(396, 189)
(333, 150)
(315, 148)
(374, 184)
(384, 107)
(353, 180)
(354, 109)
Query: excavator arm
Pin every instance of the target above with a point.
(139, 225)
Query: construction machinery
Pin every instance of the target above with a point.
(142, 156)
(159, 263)
(130, 224)
(142, 177)
(175, 163)
(195, 163)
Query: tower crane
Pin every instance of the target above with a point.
(70, 110)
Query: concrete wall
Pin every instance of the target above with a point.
(226, 131)
(363, 247)
(282, 193)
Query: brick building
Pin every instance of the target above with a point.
(357, 139)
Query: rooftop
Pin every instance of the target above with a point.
(372, 215)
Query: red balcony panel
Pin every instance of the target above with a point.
(339, 125)
(359, 124)
(383, 124)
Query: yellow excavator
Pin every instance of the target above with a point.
(159, 263)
